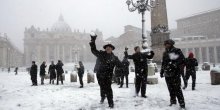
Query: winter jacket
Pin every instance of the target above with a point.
(125, 67)
(191, 64)
(59, 68)
(140, 62)
(118, 71)
(42, 70)
(80, 71)
(97, 64)
(172, 62)
(107, 62)
(33, 70)
(52, 71)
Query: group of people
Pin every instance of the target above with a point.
(55, 72)
(173, 62)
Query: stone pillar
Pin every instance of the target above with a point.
(200, 55)
(47, 54)
(215, 54)
(63, 54)
(159, 29)
(207, 54)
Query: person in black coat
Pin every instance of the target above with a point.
(52, 72)
(59, 68)
(118, 74)
(42, 72)
(141, 69)
(107, 62)
(16, 71)
(80, 70)
(191, 64)
(172, 61)
(96, 68)
(33, 73)
(125, 72)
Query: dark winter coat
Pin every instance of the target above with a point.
(97, 64)
(42, 69)
(118, 71)
(140, 62)
(52, 71)
(59, 68)
(107, 61)
(80, 71)
(191, 64)
(125, 67)
(33, 70)
(171, 66)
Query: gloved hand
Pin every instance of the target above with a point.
(161, 75)
(126, 48)
(152, 52)
(93, 37)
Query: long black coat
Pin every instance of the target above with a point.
(52, 71)
(59, 68)
(118, 71)
(33, 70)
(140, 62)
(172, 62)
(191, 64)
(97, 64)
(125, 67)
(42, 69)
(107, 62)
(80, 71)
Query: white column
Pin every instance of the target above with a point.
(200, 55)
(207, 54)
(63, 53)
(215, 54)
(47, 54)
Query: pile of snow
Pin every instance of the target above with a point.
(17, 94)
(216, 69)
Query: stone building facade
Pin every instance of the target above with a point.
(58, 43)
(199, 33)
(10, 56)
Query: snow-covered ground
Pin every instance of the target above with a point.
(17, 94)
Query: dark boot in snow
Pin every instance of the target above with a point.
(184, 87)
(193, 88)
(144, 96)
(102, 100)
(182, 107)
(171, 104)
(111, 105)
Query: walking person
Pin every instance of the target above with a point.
(191, 64)
(141, 69)
(42, 72)
(80, 70)
(125, 72)
(107, 62)
(59, 68)
(52, 72)
(16, 71)
(118, 74)
(33, 73)
(172, 60)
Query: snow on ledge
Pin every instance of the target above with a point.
(216, 69)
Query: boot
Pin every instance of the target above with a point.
(102, 100)
(193, 88)
(171, 104)
(182, 107)
(144, 96)
(111, 105)
(184, 87)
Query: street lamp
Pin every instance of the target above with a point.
(142, 6)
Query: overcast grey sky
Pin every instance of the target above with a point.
(109, 16)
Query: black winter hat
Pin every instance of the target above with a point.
(109, 45)
(169, 41)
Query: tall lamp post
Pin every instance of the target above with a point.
(142, 6)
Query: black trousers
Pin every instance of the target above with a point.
(193, 75)
(59, 77)
(140, 84)
(174, 87)
(81, 80)
(122, 80)
(105, 88)
(34, 79)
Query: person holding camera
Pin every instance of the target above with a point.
(172, 62)
(107, 62)
(141, 69)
